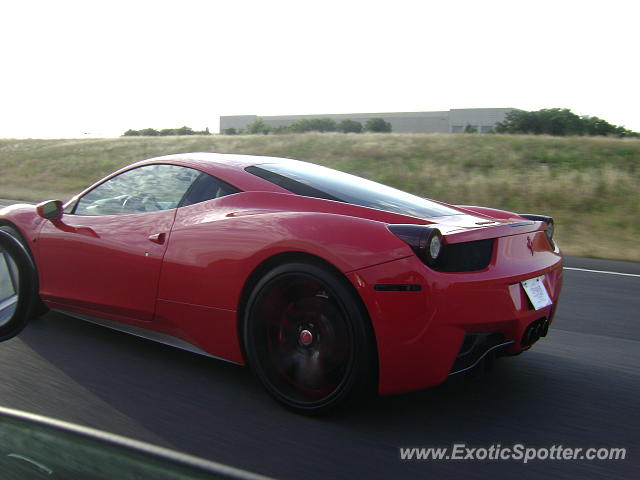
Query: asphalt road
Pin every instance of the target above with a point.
(579, 387)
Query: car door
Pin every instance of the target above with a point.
(104, 258)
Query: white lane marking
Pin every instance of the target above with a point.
(602, 271)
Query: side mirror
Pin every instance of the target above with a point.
(50, 210)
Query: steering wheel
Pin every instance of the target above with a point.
(140, 203)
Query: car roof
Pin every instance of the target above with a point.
(213, 159)
(226, 166)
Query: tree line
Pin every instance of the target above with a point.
(166, 132)
(259, 126)
(549, 121)
(559, 122)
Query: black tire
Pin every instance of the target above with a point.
(18, 285)
(308, 339)
(38, 307)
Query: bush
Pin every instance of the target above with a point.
(323, 125)
(349, 126)
(306, 125)
(558, 122)
(229, 131)
(377, 125)
(184, 131)
(298, 126)
(149, 132)
(311, 125)
(470, 129)
(257, 127)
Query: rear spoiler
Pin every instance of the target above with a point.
(494, 231)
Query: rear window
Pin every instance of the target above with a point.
(316, 181)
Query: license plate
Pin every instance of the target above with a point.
(537, 292)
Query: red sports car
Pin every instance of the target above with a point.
(324, 283)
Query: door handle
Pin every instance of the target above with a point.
(158, 238)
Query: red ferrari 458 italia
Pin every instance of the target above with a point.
(324, 283)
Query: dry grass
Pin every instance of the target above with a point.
(590, 185)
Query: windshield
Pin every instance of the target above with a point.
(321, 182)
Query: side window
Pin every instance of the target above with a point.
(206, 188)
(143, 189)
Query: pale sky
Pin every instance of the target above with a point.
(71, 68)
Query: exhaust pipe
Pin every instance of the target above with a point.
(538, 328)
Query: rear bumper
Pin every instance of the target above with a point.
(475, 347)
(420, 330)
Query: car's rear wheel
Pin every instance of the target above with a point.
(18, 285)
(307, 338)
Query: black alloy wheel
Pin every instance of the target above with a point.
(307, 338)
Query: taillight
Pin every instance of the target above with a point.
(425, 241)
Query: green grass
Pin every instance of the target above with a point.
(591, 186)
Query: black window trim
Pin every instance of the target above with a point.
(290, 184)
(198, 179)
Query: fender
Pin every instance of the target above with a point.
(25, 220)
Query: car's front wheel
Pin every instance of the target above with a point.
(307, 338)
(18, 285)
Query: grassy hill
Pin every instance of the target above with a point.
(591, 186)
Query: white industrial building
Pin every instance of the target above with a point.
(449, 121)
